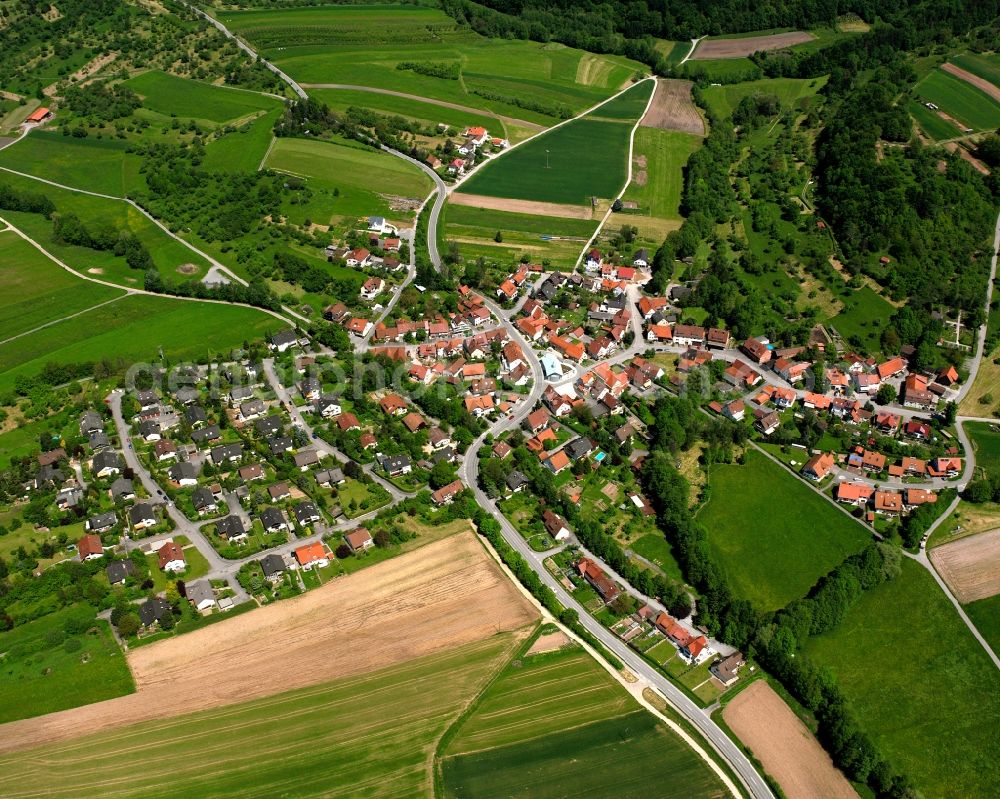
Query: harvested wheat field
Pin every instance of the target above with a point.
(970, 566)
(783, 744)
(442, 595)
(522, 206)
(673, 109)
(974, 80)
(741, 48)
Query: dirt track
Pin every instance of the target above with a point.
(673, 109)
(522, 206)
(442, 595)
(970, 566)
(741, 48)
(980, 83)
(788, 751)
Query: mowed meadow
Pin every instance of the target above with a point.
(364, 46)
(773, 552)
(587, 157)
(516, 739)
(920, 684)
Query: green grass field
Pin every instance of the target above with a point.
(370, 736)
(542, 238)
(191, 99)
(361, 46)
(985, 614)
(986, 443)
(586, 157)
(914, 674)
(44, 669)
(349, 167)
(243, 149)
(100, 165)
(790, 91)
(932, 125)
(37, 291)
(537, 696)
(961, 100)
(773, 551)
(135, 328)
(985, 66)
(863, 316)
(655, 548)
(657, 188)
(544, 706)
(168, 254)
(631, 756)
(721, 69)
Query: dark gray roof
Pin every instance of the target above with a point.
(306, 513)
(393, 462)
(149, 426)
(515, 480)
(153, 610)
(230, 527)
(332, 476)
(185, 470)
(122, 487)
(141, 512)
(186, 396)
(272, 517)
(227, 452)
(103, 520)
(91, 421)
(209, 433)
(284, 337)
(202, 498)
(269, 425)
(579, 448)
(279, 444)
(106, 459)
(118, 570)
(98, 440)
(198, 591)
(195, 415)
(273, 564)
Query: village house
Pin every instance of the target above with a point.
(600, 582)
(757, 350)
(359, 540)
(283, 339)
(856, 494)
(446, 494)
(555, 525)
(89, 547)
(818, 466)
(727, 669)
(312, 556)
(171, 557)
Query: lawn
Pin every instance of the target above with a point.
(986, 443)
(362, 46)
(657, 186)
(985, 614)
(961, 100)
(582, 159)
(656, 549)
(364, 496)
(192, 99)
(167, 253)
(863, 317)
(45, 669)
(372, 735)
(538, 696)
(629, 756)
(136, 329)
(772, 535)
(243, 148)
(37, 291)
(100, 165)
(790, 91)
(349, 166)
(915, 677)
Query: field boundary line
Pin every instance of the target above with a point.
(270, 147)
(127, 293)
(628, 177)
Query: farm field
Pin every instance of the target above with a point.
(933, 125)
(970, 566)
(371, 734)
(673, 108)
(525, 80)
(37, 291)
(168, 254)
(443, 596)
(790, 91)
(192, 99)
(862, 318)
(985, 614)
(45, 669)
(782, 743)
(985, 66)
(959, 99)
(542, 238)
(586, 157)
(606, 758)
(354, 165)
(771, 553)
(742, 46)
(913, 673)
(985, 85)
(99, 165)
(658, 161)
(537, 696)
(134, 329)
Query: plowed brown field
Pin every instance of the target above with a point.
(970, 566)
(740, 48)
(440, 596)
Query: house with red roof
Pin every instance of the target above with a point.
(856, 494)
(891, 368)
(600, 582)
(89, 547)
(312, 556)
(819, 466)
